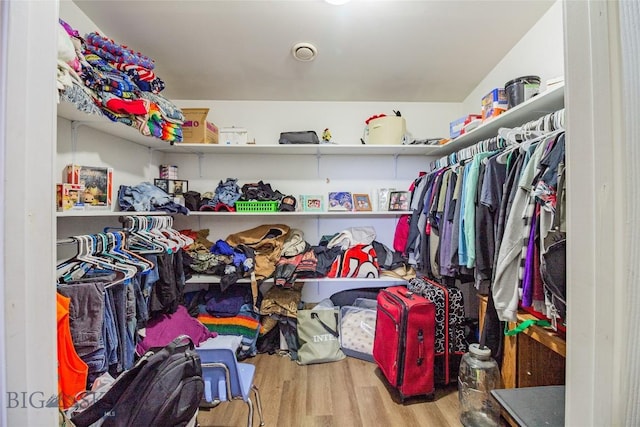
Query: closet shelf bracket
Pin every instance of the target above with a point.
(75, 125)
(395, 166)
(200, 159)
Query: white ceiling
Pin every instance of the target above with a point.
(394, 50)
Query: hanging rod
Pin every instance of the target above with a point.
(547, 123)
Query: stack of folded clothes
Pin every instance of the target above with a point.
(99, 75)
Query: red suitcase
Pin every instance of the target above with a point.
(403, 347)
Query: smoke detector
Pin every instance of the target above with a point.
(304, 52)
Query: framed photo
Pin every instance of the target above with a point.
(361, 202)
(162, 184)
(340, 201)
(312, 203)
(178, 186)
(383, 198)
(399, 200)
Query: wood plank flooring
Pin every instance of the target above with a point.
(347, 393)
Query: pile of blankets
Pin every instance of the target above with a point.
(100, 76)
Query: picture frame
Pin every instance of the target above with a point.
(399, 200)
(361, 202)
(174, 187)
(340, 201)
(162, 184)
(312, 203)
(178, 186)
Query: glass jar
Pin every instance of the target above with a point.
(479, 374)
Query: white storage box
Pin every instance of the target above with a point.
(387, 130)
(232, 136)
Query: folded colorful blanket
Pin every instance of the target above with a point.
(144, 78)
(243, 325)
(112, 51)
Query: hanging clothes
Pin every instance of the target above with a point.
(72, 371)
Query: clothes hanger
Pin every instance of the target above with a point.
(85, 261)
(154, 227)
(113, 249)
(119, 244)
(183, 238)
(95, 255)
(140, 240)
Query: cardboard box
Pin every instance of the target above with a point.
(232, 136)
(97, 182)
(456, 127)
(196, 129)
(494, 103)
(69, 197)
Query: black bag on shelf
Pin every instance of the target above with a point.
(300, 137)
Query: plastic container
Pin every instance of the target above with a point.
(358, 328)
(256, 206)
(521, 89)
(479, 374)
(387, 130)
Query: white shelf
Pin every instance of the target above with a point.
(105, 213)
(70, 112)
(547, 102)
(311, 149)
(380, 282)
(313, 290)
(310, 214)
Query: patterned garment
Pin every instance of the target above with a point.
(449, 326)
(110, 78)
(145, 79)
(168, 110)
(112, 51)
(245, 324)
(79, 97)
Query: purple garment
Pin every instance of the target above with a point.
(164, 329)
(446, 231)
(527, 279)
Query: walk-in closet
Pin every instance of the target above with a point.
(575, 134)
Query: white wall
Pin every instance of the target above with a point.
(540, 53)
(629, 16)
(29, 130)
(266, 119)
(75, 17)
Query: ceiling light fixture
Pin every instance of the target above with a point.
(337, 2)
(304, 51)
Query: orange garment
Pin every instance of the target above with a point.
(72, 371)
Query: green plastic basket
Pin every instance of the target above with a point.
(256, 206)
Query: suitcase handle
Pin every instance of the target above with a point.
(420, 347)
(407, 294)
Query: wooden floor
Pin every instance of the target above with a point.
(350, 392)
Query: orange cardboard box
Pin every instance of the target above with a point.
(196, 129)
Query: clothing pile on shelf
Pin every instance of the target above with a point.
(100, 76)
(282, 253)
(228, 193)
(485, 218)
(146, 197)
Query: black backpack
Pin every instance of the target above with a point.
(164, 388)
